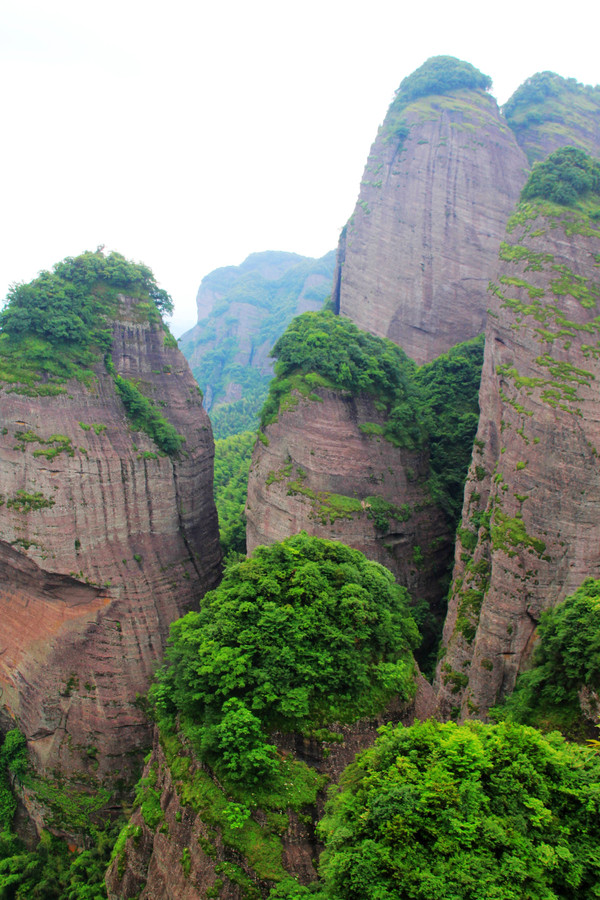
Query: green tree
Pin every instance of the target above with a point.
(465, 813)
(303, 633)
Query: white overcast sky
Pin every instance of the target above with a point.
(189, 134)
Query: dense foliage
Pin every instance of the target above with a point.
(565, 176)
(232, 462)
(440, 75)
(254, 303)
(566, 659)
(465, 813)
(435, 406)
(58, 325)
(50, 871)
(450, 387)
(303, 633)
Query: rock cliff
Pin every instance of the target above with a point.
(324, 467)
(441, 180)
(529, 532)
(242, 310)
(105, 540)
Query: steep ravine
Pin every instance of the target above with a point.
(105, 540)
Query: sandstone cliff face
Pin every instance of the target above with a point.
(530, 530)
(324, 469)
(183, 856)
(416, 256)
(104, 542)
(242, 310)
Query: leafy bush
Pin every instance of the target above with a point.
(304, 633)
(565, 176)
(465, 812)
(145, 416)
(566, 659)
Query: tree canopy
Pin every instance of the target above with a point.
(464, 813)
(304, 633)
(440, 75)
(564, 177)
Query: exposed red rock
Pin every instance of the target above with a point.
(109, 541)
(318, 472)
(416, 256)
(530, 531)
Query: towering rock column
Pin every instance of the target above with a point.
(530, 529)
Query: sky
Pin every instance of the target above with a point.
(187, 135)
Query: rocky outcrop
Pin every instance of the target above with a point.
(530, 529)
(324, 467)
(548, 112)
(242, 310)
(416, 256)
(179, 853)
(105, 541)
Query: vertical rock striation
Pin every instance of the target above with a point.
(104, 541)
(530, 530)
(415, 258)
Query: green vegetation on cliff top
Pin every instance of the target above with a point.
(434, 407)
(566, 177)
(304, 633)
(548, 109)
(438, 75)
(57, 326)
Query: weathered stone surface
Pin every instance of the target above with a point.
(108, 544)
(530, 528)
(151, 865)
(416, 256)
(318, 472)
